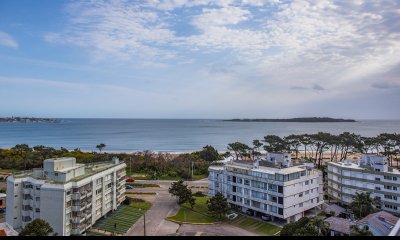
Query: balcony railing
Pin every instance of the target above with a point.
(76, 196)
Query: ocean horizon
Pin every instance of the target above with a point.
(169, 135)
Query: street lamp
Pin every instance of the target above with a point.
(144, 222)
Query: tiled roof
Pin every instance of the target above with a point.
(335, 208)
(339, 224)
(381, 221)
(3, 233)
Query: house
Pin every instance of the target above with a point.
(380, 223)
(336, 209)
(339, 226)
(7, 230)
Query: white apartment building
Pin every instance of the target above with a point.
(71, 197)
(272, 185)
(370, 174)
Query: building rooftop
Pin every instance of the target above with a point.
(339, 224)
(89, 170)
(263, 169)
(380, 223)
(7, 230)
(335, 208)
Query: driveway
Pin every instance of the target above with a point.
(165, 205)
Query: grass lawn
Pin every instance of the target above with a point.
(143, 185)
(125, 216)
(6, 171)
(254, 225)
(187, 215)
(199, 214)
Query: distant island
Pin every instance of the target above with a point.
(27, 120)
(305, 119)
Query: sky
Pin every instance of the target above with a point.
(200, 59)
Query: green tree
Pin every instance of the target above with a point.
(290, 228)
(209, 153)
(101, 146)
(275, 143)
(319, 225)
(240, 149)
(363, 204)
(357, 231)
(255, 151)
(37, 227)
(218, 205)
(182, 192)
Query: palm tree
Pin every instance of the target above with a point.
(356, 231)
(363, 204)
(319, 225)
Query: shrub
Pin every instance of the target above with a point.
(199, 194)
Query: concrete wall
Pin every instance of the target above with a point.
(52, 205)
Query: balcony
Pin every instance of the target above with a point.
(89, 194)
(27, 202)
(76, 208)
(76, 231)
(76, 196)
(68, 210)
(78, 220)
(89, 205)
(68, 198)
(88, 216)
(26, 190)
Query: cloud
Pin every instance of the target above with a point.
(386, 85)
(325, 46)
(7, 41)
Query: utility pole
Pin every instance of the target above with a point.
(130, 166)
(144, 224)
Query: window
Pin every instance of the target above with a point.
(37, 210)
(37, 199)
(16, 185)
(307, 182)
(280, 211)
(272, 187)
(246, 182)
(273, 198)
(311, 181)
(38, 188)
(377, 188)
(56, 174)
(307, 192)
(301, 205)
(301, 194)
(312, 200)
(239, 180)
(377, 179)
(15, 195)
(98, 191)
(280, 189)
(377, 170)
(246, 191)
(274, 209)
(395, 188)
(280, 200)
(394, 178)
(229, 178)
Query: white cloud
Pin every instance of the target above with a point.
(7, 40)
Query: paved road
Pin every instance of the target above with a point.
(216, 229)
(164, 205)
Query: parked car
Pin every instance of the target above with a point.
(250, 212)
(266, 218)
(231, 216)
(130, 180)
(128, 187)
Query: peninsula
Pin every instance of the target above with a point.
(27, 120)
(304, 119)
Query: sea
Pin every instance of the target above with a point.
(169, 135)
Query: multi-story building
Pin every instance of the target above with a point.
(71, 197)
(370, 174)
(271, 186)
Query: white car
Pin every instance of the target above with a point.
(231, 216)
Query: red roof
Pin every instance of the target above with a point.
(3, 233)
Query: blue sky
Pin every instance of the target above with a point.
(200, 59)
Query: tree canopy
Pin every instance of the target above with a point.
(37, 227)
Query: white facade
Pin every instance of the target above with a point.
(284, 193)
(370, 174)
(69, 196)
